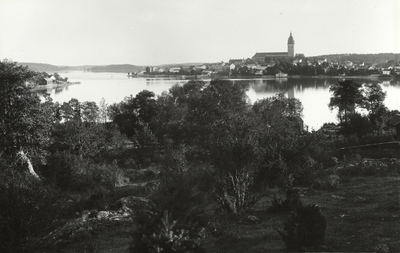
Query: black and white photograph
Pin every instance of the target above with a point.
(199, 126)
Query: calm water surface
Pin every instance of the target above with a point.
(312, 92)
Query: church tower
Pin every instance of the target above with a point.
(290, 45)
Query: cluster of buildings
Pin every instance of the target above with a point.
(261, 61)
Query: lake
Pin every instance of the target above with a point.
(312, 92)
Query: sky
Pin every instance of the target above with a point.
(154, 32)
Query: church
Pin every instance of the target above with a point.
(259, 57)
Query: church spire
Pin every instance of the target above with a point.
(290, 45)
(290, 40)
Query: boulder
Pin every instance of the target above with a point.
(132, 202)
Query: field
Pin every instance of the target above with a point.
(362, 214)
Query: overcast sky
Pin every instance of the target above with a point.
(152, 32)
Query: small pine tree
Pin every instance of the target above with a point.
(304, 229)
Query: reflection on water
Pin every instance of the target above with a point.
(312, 92)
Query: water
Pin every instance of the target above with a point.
(312, 92)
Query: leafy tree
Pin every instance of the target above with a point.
(103, 111)
(280, 145)
(172, 109)
(71, 110)
(134, 112)
(374, 97)
(249, 61)
(347, 96)
(90, 112)
(217, 101)
(25, 122)
(356, 124)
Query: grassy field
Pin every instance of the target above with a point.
(362, 213)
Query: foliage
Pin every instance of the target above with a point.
(80, 130)
(291, 202)
(162, 234)
(236, 163)
(85, 139)
(347, 96)
(24, 121)
(356, 124)
(27, 210)
(132, 113)
(374, 97)
(328, 182)
(365, 170)
(175, 220)
(282, 144)
(72, 172)
(372, 58)
(304, 229)
(233, 190)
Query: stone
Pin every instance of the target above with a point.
(359, 199)
(252, 218)
(338, 197)
(382, 248)
(103, 215)
(132, 202)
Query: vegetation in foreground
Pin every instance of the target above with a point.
(199, 169)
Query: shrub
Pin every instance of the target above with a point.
(160, 233)
(28, 210)
(363, 170)
(331, 182)
(71, 172)
(291, 202)
(233, 190)
(304, 229)
(175, 219)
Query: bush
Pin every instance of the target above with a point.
(160, 233)
(291, 202)
(28, 211)
(304, 229)
(71, 172)
(233, 190)
(363, 170)
(331, 182)
(175, 220)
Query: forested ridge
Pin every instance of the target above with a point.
(361, 58)
(179, 169)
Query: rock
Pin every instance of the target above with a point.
(103, 215)
(132, 202)
(382, 248)
(338, 197)
(359, 199)
(85, 215)
(252, 218)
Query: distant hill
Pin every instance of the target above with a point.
(185, 65)
(116, 68)
(44, 67)
(360, 58)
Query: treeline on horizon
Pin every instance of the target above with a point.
(366, 58)
(361, 58)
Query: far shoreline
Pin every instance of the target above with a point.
(201, 77)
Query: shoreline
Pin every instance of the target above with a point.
(54, 85)
(200, 77)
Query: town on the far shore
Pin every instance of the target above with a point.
(281, 65)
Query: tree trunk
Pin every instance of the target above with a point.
(25, 158)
